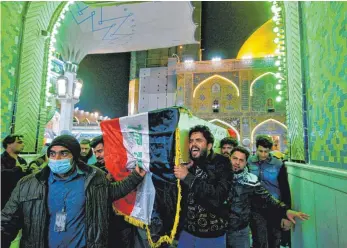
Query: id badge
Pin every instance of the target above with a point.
(60, 222)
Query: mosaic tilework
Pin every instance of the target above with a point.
(226, 95)
(31, 112)
(295, 120)
(233, 76)
(11, 27)
(325, 63)
(264, 95)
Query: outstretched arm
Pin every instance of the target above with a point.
(120, 189)
(291, 215)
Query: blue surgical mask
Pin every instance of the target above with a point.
(61, 166)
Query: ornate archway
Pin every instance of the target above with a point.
(273, 128)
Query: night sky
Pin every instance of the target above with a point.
(225, 27)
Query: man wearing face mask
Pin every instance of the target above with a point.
(205, 185)
(66, 204)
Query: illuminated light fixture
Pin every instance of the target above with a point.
(181, 47)
(77, 88)
(62, 86)
(96, 114)
(278, 75)
(278, 86)
(219, 77)
(278, 99)
(247, 57)
(76, 109)
(274, 9)
(189, 61)
(276, 40)
(280, 92)
(216, 59)
(277, 63)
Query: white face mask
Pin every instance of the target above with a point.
(61, 166)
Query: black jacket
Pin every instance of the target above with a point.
(27, 208)
(10, 175)
(205, 191)
(246, 194)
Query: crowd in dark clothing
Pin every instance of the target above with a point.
(222, 197)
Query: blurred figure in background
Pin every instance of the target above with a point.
(226, 146)
(13, 167)
(87, 155)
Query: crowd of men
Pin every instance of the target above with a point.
(66, 200)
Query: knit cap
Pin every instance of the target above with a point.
(68, 141)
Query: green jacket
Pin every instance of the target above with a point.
(27, 208)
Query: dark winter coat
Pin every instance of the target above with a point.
(10, 175)
(205, 191)
(27, 208)
(247, 193)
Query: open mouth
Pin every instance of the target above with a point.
(195, 151)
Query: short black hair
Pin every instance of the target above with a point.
(229, 141)
(9, 139)
(264, 141)
(85, 142)
(240, 149)
(206, 132)
(96, 141)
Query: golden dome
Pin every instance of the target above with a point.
(260, 43)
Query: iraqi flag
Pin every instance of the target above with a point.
(156, 141)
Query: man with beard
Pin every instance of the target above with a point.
(226, 146)
(13, 167)
(121, 232)
(87, 155)
(205, 181)
(246, 194)
(98, 148)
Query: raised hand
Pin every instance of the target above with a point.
(140, 171)
(181, 171)
(291, 215)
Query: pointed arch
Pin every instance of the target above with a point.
(262, 123)
(228, 125)
(259, 77)
(76, 119)
(220, 77)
